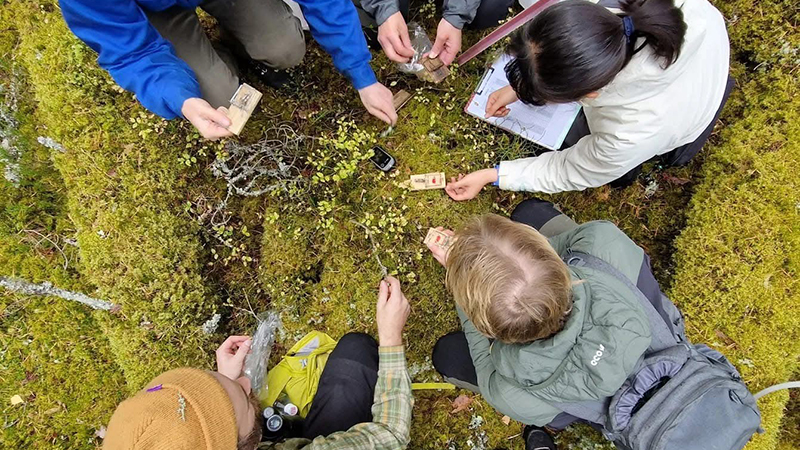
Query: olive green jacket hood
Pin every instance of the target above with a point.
(603, 338)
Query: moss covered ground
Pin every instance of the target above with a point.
(124, 213)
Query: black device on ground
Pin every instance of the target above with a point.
(382, 159)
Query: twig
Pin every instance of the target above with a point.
(26, 287)
(383, 268)
(60, 250)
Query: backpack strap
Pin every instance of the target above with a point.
(662, 336)
(777, 387)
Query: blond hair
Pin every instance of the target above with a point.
(508, 280)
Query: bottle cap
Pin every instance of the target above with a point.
(268, 412)
(274, 423)
(291, 409)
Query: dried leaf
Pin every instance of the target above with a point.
(506, 420)
(461, 403)
(674, 180)
(727, 340)
(16, 400)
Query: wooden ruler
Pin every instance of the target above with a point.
(504, 30)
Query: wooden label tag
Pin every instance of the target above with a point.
(400, 99)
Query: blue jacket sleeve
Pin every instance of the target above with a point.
(133, 52)
(335, 26)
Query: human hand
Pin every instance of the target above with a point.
(392, 312)
(499, 100)
(211, 123)
(377, 98)
(439, 253)
(231, 355)
(447, 44)
(467, 187)
(393, 37)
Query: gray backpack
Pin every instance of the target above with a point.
(680, 395)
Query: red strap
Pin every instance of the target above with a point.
(504, 30)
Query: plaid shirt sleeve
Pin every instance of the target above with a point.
(391, 411)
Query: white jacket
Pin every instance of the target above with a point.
(645, 111)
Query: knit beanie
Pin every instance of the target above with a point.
(181, 409)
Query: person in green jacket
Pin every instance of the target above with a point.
(536, 332)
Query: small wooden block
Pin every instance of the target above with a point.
(243, 103)
(400, 99)
(439, 239)
(435, 70)
(434, 180)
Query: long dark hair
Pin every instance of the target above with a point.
(576, 47)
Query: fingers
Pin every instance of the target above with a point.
(243, 350)
(214, 132)
(406, 41)
(389, 116)
(437, 48)
(216, 125)
(383, 292)
(492, 106)
(394, 286)
(381, 115)
(447, 56)
(391, 113)
(385, 108)
(390, 52)
(233, 341)
(400, 46)
(218, 116)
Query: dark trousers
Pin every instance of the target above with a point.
(451, 357)
(263, 30)
(675, 158)
(489, 14)
(344, 397)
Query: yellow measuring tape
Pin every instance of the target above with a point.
(431, 386)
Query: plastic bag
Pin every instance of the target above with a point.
(255, 365)
(421, 45)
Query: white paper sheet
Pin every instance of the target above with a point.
(545, 125)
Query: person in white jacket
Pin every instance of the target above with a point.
(651, 75)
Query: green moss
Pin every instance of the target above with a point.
(737, 260)
(54, 355)
(124, 180)
(135, 187)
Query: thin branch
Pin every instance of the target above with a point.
(26, 287)
(383, 268)
(60, 250)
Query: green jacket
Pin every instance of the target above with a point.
(605, 335)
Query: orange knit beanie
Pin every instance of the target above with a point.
(180, 409)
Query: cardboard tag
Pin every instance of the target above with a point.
(243, 103)
(439, 239)
(400, 99)
(435, 180)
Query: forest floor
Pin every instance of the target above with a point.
(132, 209)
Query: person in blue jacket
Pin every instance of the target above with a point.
(158, 50)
